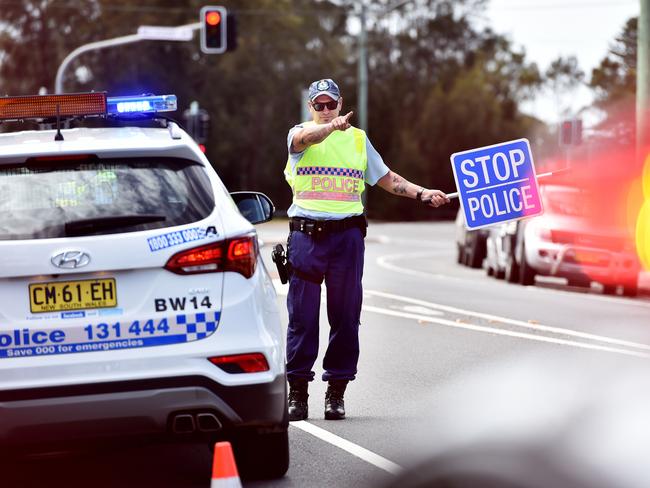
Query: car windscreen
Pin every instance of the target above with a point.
(62, 198)
(563, 200)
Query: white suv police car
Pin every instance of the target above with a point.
(133, 301)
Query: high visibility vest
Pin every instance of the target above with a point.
(329, 177)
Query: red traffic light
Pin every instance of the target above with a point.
(213, 18)
(214, 29)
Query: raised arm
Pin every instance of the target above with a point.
(314, 134)
(394, 183)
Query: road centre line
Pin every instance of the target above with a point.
(504, 332)
(518, 323)
(351, 447)
(383, 261)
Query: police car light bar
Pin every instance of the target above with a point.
(45, 106)
(141, 105)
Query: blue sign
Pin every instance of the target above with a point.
(497, 183)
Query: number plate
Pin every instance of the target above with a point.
(72, 295)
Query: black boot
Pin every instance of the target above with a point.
(298, 396)
(334, 405)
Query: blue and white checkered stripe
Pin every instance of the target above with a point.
(325, 170)
(200, 325)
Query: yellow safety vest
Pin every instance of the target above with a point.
(329, 177)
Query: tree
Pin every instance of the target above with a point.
(615, 77)
(437, 83)
(614, 82)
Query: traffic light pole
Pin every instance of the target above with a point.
(643, 83)
(181, 33)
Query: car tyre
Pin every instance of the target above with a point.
(460, 254)
(262, 456)
(630, 290)
(475, 256)
(581, 282)
(526, 273)
(512, 270)
(609, 289)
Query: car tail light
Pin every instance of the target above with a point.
(238, 254)
(241, 363)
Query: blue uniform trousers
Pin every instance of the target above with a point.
(338, 257)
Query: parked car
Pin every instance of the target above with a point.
(564, 243)
(499, 248)
(134, 302)
(470, 244)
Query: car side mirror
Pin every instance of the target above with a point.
(256, 207)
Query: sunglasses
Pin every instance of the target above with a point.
(319, 107)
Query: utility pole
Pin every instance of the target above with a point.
(643, 83)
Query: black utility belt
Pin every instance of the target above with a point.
(322, 227)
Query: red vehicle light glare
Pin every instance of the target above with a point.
(213, 18)
(238, 254)
(642, 231)
(241, 363)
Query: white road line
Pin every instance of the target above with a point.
(504, 332)
(351, 447)
(383, 261)
(518, 323)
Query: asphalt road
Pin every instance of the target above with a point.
(440, 344)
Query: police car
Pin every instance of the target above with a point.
(133, 300)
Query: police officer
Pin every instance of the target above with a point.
(329, 161)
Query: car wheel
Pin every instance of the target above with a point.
(499, 274)
(630, 290)
(489, 270)
(262, 456)
(512, 270)
(475, 256)
(581, 282)
(526, 273)
(460, 254)
(609, 289)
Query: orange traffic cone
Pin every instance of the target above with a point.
(224, 469)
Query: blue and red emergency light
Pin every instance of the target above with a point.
(82, 105)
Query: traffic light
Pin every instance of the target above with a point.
(214, 29)
(570, 133)
(566, 133)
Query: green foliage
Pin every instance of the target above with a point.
(437, 84)
(615, 78)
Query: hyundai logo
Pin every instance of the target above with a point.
(70, 259)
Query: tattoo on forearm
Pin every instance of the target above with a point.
(399, 185)
(309, 138)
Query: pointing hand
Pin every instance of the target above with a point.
(341, 122)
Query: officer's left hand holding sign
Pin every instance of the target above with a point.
(329, 162)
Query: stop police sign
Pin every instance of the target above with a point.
(497, 183)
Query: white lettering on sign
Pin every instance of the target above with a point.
(502, 165)
(502, 202)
